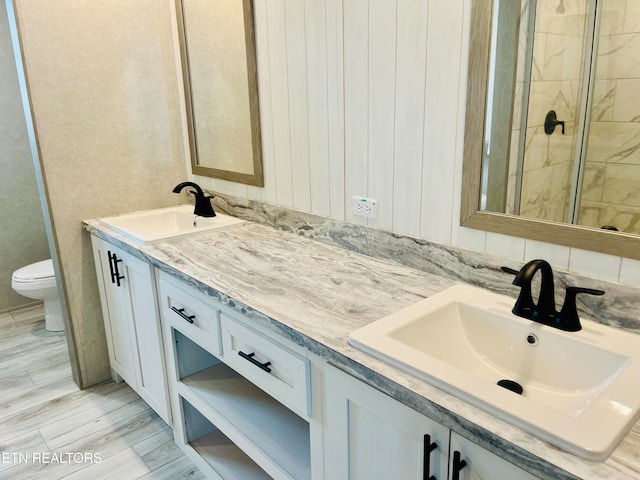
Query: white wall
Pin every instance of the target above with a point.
(367, 98)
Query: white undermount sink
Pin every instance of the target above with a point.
(581, 390)
(153, 226)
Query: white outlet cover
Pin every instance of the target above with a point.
(365, 207)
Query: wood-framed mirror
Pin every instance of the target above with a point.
(474, 212)
(217, 42)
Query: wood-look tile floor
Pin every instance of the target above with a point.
(50, 429)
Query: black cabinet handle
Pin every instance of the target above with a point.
(249, 356)
(458, 465)
(110, 265)
(426, 464)
(180, 311)
(113, 267)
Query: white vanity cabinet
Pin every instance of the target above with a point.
(132, 323)
(240, 396)
(370, 435)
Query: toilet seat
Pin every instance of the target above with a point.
(34, 276)
(38, 281)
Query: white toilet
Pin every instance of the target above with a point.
(38, 281)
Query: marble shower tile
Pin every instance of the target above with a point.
(593, 181)
(621, 185)
(568, 20)
(591, 214)
(632, 17)
(563, 57)
(612, 16)
(625, 219)
(542, 150)
(615, 142)
(617, 57)
(627, 100)
(604, 94)
(537, 67)
(545, 192)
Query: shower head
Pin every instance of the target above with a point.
(560, 8)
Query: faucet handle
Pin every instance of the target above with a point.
(590, 291)
(509, 270)
(568, 319)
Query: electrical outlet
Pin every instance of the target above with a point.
(365, 207)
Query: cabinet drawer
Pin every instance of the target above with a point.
(281, 373)
(190, 312)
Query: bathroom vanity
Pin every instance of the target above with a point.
(250, 328)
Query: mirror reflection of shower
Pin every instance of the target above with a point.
(577, 59)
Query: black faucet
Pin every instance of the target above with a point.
(544, 310)
(203, 206)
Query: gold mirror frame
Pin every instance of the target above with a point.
(257, 178)
(587, 238)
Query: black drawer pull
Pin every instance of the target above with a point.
(180, 311)
(249, 356)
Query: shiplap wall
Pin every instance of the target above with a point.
(367, 98)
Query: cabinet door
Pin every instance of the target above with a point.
(115, 311)
(480, 464)
(132, 323)
(139, 287)
(370, 435)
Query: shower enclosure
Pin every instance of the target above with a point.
(572, 136)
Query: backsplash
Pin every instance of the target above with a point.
(616, 308)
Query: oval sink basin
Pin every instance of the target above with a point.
(576, 390)
(157, 225)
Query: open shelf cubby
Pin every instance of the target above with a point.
(215, 448)
(257, 422)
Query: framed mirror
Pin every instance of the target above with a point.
(551, 147)
(219, 68)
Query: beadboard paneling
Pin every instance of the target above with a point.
(443, 94)
(367, 98)
(409, 116)
(353, 103)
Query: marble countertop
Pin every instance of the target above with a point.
(317, 294)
